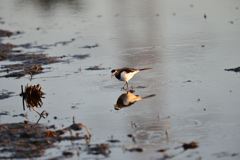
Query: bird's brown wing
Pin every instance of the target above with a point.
(128, 70)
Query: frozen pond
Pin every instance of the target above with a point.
(187, 43)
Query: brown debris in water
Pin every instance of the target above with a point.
(36, 68)
(237, 69)
(33, 96)
(4, 33)
(99, 149)
(162, 150)
(4, 113)
(93, 46)
(95, 68)
(191, 145)
(24, 140)
(50, 133)
(30, 140)
(31, 62)
(79, 126)
(113, 141)
(134, 149)
(67, 154)
(81, 56)
(5, 94)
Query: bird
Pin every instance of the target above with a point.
(127, 99)
(125, 74)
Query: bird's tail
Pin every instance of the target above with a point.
(145, 69)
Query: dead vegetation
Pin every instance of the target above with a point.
(31, 63)
(92, 46)
(99, 149)
(81, 56)
(95, 68)
(5, 94)
(4, 33)
(30, 140)
(32, 96)
(191, 145)
(134, 149)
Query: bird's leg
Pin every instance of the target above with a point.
(125, 85)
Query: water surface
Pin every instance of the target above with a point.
(199, 100)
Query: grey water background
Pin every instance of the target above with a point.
(199, 100)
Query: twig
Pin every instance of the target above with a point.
(166, 130)
(88, 130)
(23, 97)
(31, 75)
(41, 115)
(73, 120)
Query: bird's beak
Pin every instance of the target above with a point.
(113, 75)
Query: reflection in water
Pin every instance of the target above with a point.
(127, 99)
(33, 97)
(49, 7)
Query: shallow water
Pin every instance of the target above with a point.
(199, 100)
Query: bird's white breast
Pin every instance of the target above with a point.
(127, 76)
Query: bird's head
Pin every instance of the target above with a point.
(116, 107)
(113, 72)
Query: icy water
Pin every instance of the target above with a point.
(194, 95)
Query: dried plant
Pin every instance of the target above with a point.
(33, 96)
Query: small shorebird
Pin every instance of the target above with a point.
(125, 74)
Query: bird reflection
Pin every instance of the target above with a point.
(127, 99)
